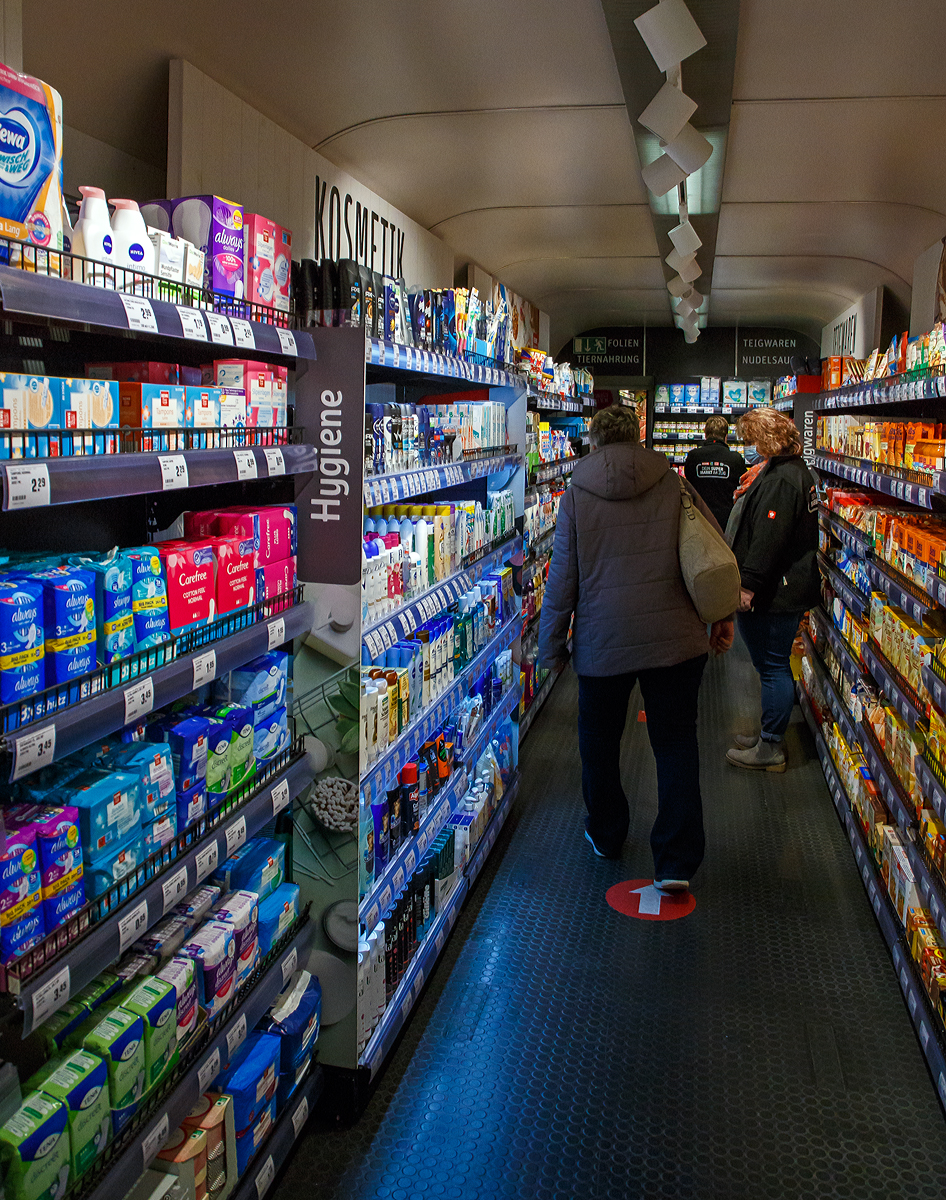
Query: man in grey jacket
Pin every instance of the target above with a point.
(616, 568)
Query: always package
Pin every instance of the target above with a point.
(213, 948)
(181, 973)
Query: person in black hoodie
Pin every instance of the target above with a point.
(715, 469)
(773, 531)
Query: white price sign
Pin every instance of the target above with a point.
(275, 463)
(206, 862)
(155, 1139)
(398, 881)
(192, 323)
(131, 925)
(245, 464)
(27, 486)
(243, 332)
(276, 633)
(265, 1177)
(139, 700)
(33, 750)
(209, 1071)
(236, 836)
(220, 329)
(140, 314)
(205, 668)
(300, 1116)
(237, 1036)
(51, 996)
(173, 471)
(410, 863)
(280, 796)
(287, 341)
(289, 964)
(439, 942)
(174, 888)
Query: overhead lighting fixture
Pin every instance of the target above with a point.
(690, 150)
(689, 271)
(663, 175)
(690, 336)
(679, 262)
(678, 287)
(667, 113)
(684, 307)
(670, 33)
(685, 238)
(695, 298)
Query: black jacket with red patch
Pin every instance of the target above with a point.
(774, 536)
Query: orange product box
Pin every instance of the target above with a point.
(831, 372)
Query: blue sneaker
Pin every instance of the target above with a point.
(588, 838)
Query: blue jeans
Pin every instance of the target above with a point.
(769, 638)
(670, 698)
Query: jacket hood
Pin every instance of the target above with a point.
(620, 472)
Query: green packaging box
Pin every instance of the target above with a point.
(56, 1029)
(119, 1038)
(34, 1149)
(155, 1001)
(81, 1083)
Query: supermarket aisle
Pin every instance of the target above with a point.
(759, 1048)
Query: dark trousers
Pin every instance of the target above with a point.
(769, 638)
(670, 701)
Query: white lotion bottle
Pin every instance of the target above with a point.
(92, 238)
(134, 249)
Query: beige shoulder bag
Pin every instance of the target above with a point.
(707, 564)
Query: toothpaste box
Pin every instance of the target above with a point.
(64, 904)
(149, 598)
(202, 410)
(276, 913)
(274, 580)
(90, 404)
(236, 572)
(80, 1082)
(262, 684)
(215, 227)
(213, 949)
(190, 577)
(116, 864)
(180, 972)
(22, 639)
(257, 867)
(69, 623)
(153, 406)
(109, 809)
(34, 1149)
(29, 402)
(191, 805)
(155, 1001)
(119, 1039)
(239, 718)
(241, 911)
(19, 874)
(271, 735)
(23, 933)
(114, 620)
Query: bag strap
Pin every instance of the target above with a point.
(686, 499)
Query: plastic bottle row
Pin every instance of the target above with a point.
(407, 549)
(403, 437)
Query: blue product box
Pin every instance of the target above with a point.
(69, 622)
(22, 934)
(271, 736)
(191, 806)
(262, 684)
(29, 402)
(159, 833)
(20, 880)
(693, 393)
(22, 640)
(90, 404)
(188, 740)
(258, 866)
(153, 765)
(677, 395)
(114, 620)
(289, 1080)
(276, 914)
(149, 598)
(59, 908)
(294, 1018)
(251, 1078)
(115, 865)
(109, 809)
(202, 411)
(248, 1141)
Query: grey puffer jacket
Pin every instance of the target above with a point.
(615, 565)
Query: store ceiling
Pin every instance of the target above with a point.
(508, 129)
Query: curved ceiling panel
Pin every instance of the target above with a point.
(847, 278)
(806, 309)
(434, 167)
(496, 237)
(571, 313)
(892, 234)
(838, 150)
(543, 279)
(840, 48)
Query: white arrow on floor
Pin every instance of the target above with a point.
(649, 903)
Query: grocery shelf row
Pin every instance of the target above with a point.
(396, 357)
(544, 401)
(850, 537)
(271, 1156)
(542, 543)
(893, 686)
(931, 385)
(535, 704)
(924, 1019)
(707, 410)
(854, 599)
(402, 865)
(421, 481)
(385, 632)
(546, 472)
(895, 486)
(408, 991)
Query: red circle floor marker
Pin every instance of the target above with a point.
(639, 898)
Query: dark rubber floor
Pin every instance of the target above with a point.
(758, 1048)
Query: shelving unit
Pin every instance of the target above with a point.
(553, 470)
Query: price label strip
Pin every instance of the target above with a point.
(192, 323)
(289, 964)
(275, 462)
(51, 996)
(140, 314)
(221, 331)
(174, 888)
(237, 1036)
(139, 700)
(173, 471)
(33, 750)
(155, 1139)
(243, 332)
(280, 796)
(206, 862)
(245, 464)
(287, 342)
(276, 633)
(27, 486)
(265, 1177)
(300, 1116)
(209, 1071)
(205, 668)
(132, 925)
(236, 836)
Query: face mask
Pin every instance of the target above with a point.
(751, 455)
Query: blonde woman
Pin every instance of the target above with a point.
(773, 531)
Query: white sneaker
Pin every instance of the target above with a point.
(672, 885)
(589, 838)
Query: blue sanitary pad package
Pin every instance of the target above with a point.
(114, 623)
(276, 914)
(117, 862)
(251, 1078)
(261, 684)
(294, 1018)
(22, 640)
(259, 866)
(69, 623)
(108, 807)
(271, 735)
